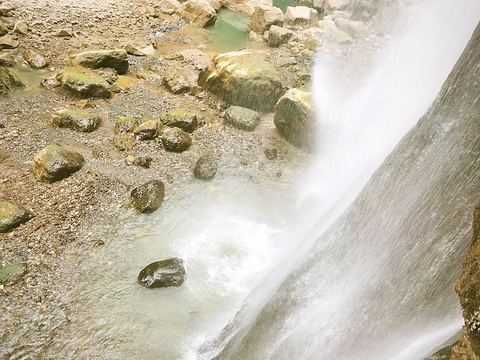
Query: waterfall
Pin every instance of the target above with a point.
(380, 239)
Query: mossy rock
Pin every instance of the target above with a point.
(148, 130)
(12, 215)
(55, 163)
(180, 119)
(8, 81)
(242, 118)
(125, 124)
(84, 82)
(78, 120)
(115, 59)
(176, 140)
(11, 273)
(243, 78)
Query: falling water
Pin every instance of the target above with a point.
(374, 279)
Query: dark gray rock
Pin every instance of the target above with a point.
(176, 140)
(148, 197)
(165, 273)
(206, 167)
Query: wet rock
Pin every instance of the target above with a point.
(177, 83)
(6, 59)
(35, 60)
(51, 82)
(84, 82)
(200, 12)
(8, 81)
(143, 161)
(352, 28)
(243, 78)
(329, 4)
(21, 27)
(176, 140)
(140, 48)
(332, 33)
(206, 167)
(148, 197)
(168, 7)
(148, 130)
(3, 28)
(77, 120)
(271, 154)
(300, 14)
(165, 273)
(12, 215)
(246, 6)
(242, 118)
(115, 59)
(180, 119)
(11, 273)
(6, 8)
(264, 17)
(295, 118)
(8, 42)
(278, 36)
(125, 124)
(55, 163)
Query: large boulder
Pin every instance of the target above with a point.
(264, 17)
(76, 119)
(165, 273)
(176, 140)
(200, 12)
(243, 78)
(8, 81)
(84, 82)
(148, 197)
(242, 118)
(55, 163)
(206, 167)
(115, 59)
(295, 118)
(12, 215)
(246, 6)
(180, 119)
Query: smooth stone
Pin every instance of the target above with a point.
(200, 12)
(264, 17)
(242, 118)
(55, 163)
(165, 273)
(176, 140)
(11, 273)
(8, 81)
(148, 197)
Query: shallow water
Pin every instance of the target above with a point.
(229, 32)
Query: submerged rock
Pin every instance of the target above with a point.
(148, 197)
(78, 120)
(115, 59)
(200, 12)
(148, 130)
(12, 215)
(176, 140)
(165, 273)
(243, 78)
(180, 119)
(206, 167)
(84, 82)
(35, 60)
(55, 163)
(295, 118)
(264, 17)
(242, 118)
(8, 81)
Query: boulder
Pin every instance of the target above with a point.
(3, 28)
(264, 17)
(176, 140)
(148, 197)
(8, 42)
(242, 118)
(84, 82)
(295, 118)
(7, 59)
(12, 215)
(115, 59)
(206, 167)
(78, 120)
(300, 14)
(6, 8)
(148, 130)
(125, 124)
(168, 7)
(278, 36)
(180, 119)
(246, 6)
(243, 78)
(177, 82)
(165, 273)
(200, 12)
(55, 163)
(216, 4)
(140, 48)
(8, 81)
(35, 60)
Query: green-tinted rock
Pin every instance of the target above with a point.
(148, 197)
(78, 120)
(11, 273)
(84, 82)
(115, 59)
(148, 130)
(295, 118)
(125, 124)
(55, 163)
(12, 215)
(180, 119)
(242, 118)
(243, 78)
(176, 140)
(8, 81)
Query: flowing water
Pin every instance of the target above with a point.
(306, 274)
